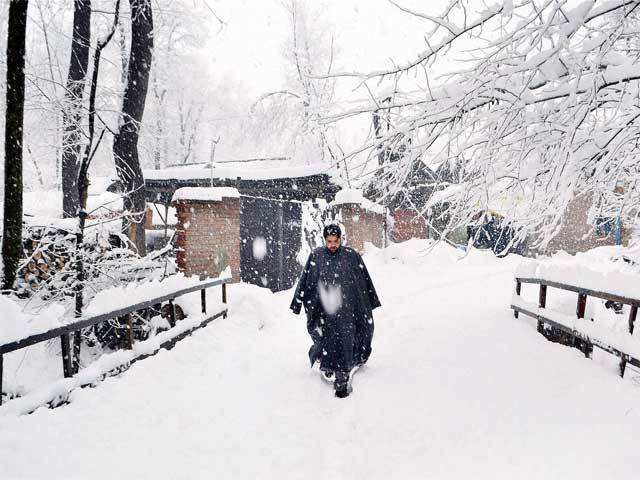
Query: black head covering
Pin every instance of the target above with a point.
(332, 230)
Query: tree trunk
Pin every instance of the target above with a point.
(125, 145)
(83, 186)
(72, 110)
(14, 124)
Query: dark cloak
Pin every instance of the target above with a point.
(341, 330)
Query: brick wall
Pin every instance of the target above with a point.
(406, 226)
(575, 234)
(361, 225)
(208, 237)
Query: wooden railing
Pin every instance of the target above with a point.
(575, 337)
(65, 331)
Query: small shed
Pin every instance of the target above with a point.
(272, 193)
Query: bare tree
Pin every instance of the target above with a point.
(295, 111)
(83, 182)
(72, 107)
(189, 117)
(125, 145)
(160, 143)
(14, 124)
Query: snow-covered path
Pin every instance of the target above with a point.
(456, 388)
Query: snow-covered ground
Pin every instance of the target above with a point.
(456, 388)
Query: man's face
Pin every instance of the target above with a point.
(333, 243)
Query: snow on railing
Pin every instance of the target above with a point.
(576, 330)
(119, 302)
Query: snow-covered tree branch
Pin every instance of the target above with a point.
(545, 107)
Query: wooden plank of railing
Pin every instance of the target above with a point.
(90, 321)
(64, 332)
(1, 368)
(129, 321)
(542, 303)
(224, 297)
(632, 318)
(581, 306)
(564, 328)
(65, 344)
(172, 313)
(586, 291)
(585, 343)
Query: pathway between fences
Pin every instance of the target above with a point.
(455, 388)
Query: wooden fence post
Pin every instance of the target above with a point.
(129, 321)
(172, 314)
(582, 304)
(622, 365)
(75, 358)
(542, 303)
(224, 298)
(203, 300)
(633, 313)
(67, 367)
(585, 346)
(632, 318)
(518, 290)
(1, 361)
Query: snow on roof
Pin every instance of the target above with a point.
(208, 194)
(352, 195)
(257, 169)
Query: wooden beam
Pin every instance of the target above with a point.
(518, 290)
(542, 303)
(582, 305)
(90, 321)
(172, 313)
(632, 318)
(129, 320)
(224, 297)
(67, 367)
(586, 291)
(1, 368)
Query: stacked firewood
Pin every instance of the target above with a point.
(47, 252)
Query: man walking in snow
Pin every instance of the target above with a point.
(339, 298)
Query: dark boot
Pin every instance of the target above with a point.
(341, 384)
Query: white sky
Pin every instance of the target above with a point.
(244, 59)
(367, 33)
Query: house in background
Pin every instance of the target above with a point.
(578, 234)
(412, 197)
(273, 192)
